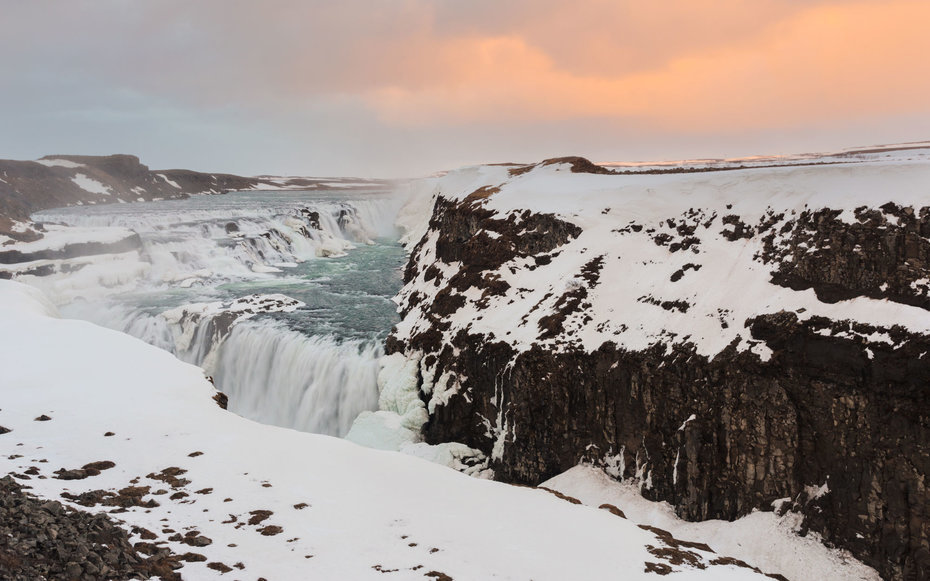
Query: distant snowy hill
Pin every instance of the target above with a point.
(65, 180)
(729, 335)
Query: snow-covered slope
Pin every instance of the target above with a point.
(274, 503)
(656, 240)
(724, 336)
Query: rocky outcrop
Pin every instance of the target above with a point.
(46, 540)
(813, 404)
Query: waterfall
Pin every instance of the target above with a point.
(313, 370)
(277, 376)
(189, 241)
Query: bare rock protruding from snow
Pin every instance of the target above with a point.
(725, 337)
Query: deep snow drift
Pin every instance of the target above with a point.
(275, 503)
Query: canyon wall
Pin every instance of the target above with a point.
(730, 341)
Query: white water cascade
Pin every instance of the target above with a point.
(277, 376)
(314, 369)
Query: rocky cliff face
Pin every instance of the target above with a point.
(731, 341)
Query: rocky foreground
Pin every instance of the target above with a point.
(44, 539)
(748, 338)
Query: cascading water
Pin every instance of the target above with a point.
(326, 384)
(283, 297)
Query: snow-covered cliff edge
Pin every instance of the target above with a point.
(730, 340)
(106, 423)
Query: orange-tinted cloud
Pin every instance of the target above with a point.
(827, 62)
(397, 87)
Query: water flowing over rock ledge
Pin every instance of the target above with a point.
(729, 341)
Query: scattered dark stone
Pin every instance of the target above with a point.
(677, 556)
(92, 469)
(221, 399)
(43, 418)
(667, 538)
(170, 476)
(196, 540)
(124, 498)
(108, 434)
(194, 454)
(204, 491)
(144, 533)
(740, 230)
(5, 430)
(271, 530)
(439, 576)
(677, 305)
(259, 516)
(301, 505)
(657, 568)
(217, 566)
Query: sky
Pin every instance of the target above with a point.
(403, 88)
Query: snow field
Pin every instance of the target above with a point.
(366, 510)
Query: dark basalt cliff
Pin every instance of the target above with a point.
(834, 421)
